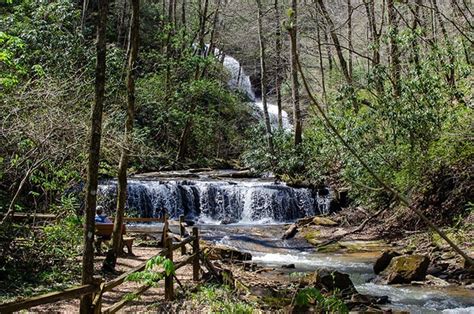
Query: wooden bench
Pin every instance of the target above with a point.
(103, 232)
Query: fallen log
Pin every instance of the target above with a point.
(290, 232)
(358, 229)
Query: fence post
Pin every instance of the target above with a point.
(182, 231)
(196, 252)
(169, 293)
(97, 295)
(164, 236)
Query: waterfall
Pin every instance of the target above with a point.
(238, 79)
(241, 81)
(217, 201)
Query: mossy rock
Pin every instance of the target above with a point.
(276, 302)
(323, 221)
(406, 268)
(384, 260)
(330, 248)
(312, 236)
(363, 246)
(226, 253)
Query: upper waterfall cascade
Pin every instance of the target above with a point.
(241, 81)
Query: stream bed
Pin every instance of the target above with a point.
(265, 244)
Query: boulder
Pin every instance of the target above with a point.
(435, 281)
(328, 280)
(222, 252)
(406, 268)
(335, 280)
(288, 266)
(323, 221)
(384, 260)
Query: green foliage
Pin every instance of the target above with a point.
(312, 296)
(10, 67)
(35, 260)
(220, 299)
(207, 102)
(155, 270)
(55, 23)
(287, 160)
(425, 132)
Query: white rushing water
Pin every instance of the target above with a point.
(269, 250)
(217, 201)
(414, 299)
(241, 81)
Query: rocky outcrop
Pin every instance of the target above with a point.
(226, 253)
(384, 260)
(406, 268)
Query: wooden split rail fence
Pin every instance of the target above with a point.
(99, 288)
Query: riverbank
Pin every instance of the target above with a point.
(342, 233)
(279, 273)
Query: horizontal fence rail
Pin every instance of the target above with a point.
(71, 293)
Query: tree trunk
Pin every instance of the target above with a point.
(450, 76)
(416, 23)
(321, 65)
(375, 36)
(212, 40)
(328, 49)
(94, 156)
(169, 46)
(395, 67)
(186, 134)
(349, 36)
(292, 29)
(268, 126)
(202, 25)
(183, 15)
(111, 259)
(335, 40)
(175, 13)
(278, 76)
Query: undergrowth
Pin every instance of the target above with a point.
(219, 299)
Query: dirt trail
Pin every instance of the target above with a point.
(154, 296)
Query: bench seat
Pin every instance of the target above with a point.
(103, 232)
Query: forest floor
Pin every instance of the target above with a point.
(149, 300)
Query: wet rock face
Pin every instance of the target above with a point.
(384, 260)
(406, 268)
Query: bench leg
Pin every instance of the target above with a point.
(129, 247)
(127, 244)
(98, 246)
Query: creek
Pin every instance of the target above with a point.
(251, 214)
(265, 244)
